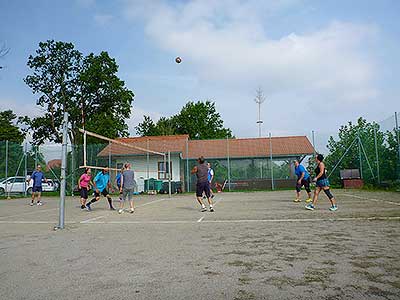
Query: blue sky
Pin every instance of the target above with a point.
(319, 63)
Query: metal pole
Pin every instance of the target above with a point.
(36, 159)
(7, 170)
(359, 155)
(187, 166)
(272, 165)
(84, 149)
(148, 171)
(25, 166)
(377, 156)
(313, 142)
(398, 143)
(72, 169)
(229, 164)
(63, 173)
(169, 173)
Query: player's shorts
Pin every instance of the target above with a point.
(37, 189)
(306, 183)
(103, 192)
(203, 187)
(84, 193)
(127, 193)
(322, 183)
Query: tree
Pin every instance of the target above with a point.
(347, 135)
(8, 130)
(200, 120)
(85, 87)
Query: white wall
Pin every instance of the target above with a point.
(139, 166)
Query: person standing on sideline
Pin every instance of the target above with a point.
(210, 178)
(118, 181)
(202, 184)
(100, 184)
(321, 183)
(127, 188)
(303, 178)
(84, 183)
(37, 177)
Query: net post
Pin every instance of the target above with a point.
(5, 192)
(84, 149)
(63, 173)
(272, 165)
(229, 163)
(25, 166)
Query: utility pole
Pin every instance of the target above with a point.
(259, 100)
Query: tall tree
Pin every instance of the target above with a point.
(200, 120)
(9, 131)
(88, 88)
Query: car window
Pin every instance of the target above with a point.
(19, 180)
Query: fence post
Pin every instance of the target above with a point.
(61, 216)
(229, 164)
(272, 165)
(187, 166)
(398, 144)
(377, 156)
(148, 171)
(25, 166)
(169, 173)
(5, 191)
(72, 169)
(359, 154)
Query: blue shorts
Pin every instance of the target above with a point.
(37, 189)
(322, 183)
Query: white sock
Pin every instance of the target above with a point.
(203, 206)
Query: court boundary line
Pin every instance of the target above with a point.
(371, 199)
(349, 219)
(29, 213)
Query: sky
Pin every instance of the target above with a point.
(319, 64)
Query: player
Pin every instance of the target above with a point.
(127, 188)
(322, 183)
(37, 177)
(303, 178)
(202, 184)
(100, 184)
(84, 183)
(210, 174)
(118, 182)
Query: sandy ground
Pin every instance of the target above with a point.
(257, 245)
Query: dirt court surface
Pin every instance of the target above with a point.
(257, 245)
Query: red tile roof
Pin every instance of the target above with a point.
(249, 147)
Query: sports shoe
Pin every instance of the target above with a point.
(333, 208)
(88, 208)
(132, 210)
(112, 208)
(39, 203)
(120, 211)
(211, 209)
(296, 200)
(310, 206)
(212, 196)
(203, 209)
(31, 204)
(308, 200)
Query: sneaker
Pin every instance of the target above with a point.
(211, 209)
(31, 204)
(39, 203)
(296, 200)
(112, 208)
(203, 209)
(212, 196)
(308, 200)
(333, 208)
(88, 208)
(310, 206)
(132, 210)
(120, 211)
(82, 206)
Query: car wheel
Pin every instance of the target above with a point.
(2, 191)
(29, 191)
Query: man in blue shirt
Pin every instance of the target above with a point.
(303, 178)
(37, 177)
(100, 183)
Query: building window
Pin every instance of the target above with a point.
(162, 173)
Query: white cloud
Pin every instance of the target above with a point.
(225, 42)
(138, 116)
(21, 109)
(103, 19)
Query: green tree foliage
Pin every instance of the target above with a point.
(85, 87)
(198, 119)
(348, 136)
(8, 130)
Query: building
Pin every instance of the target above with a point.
(250, 163)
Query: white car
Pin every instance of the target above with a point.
(17, 184)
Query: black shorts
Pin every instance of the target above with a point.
(36, 189)
(203, 187)
(104, 193)
(306, 183)
(84, 193)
